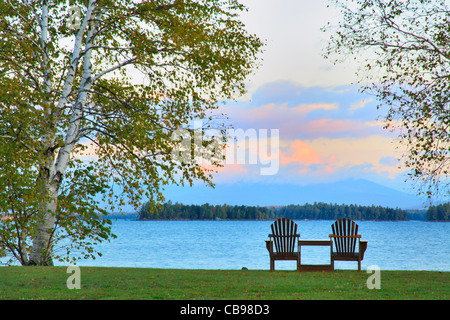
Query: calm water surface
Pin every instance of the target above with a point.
(411, 245)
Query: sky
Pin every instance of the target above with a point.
(327, 130)
(303, 122)
(294, 42)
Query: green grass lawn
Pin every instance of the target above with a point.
(98, 283)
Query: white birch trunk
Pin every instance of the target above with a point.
(41, 253)
(53, 169)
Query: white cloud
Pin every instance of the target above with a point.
(295, 42)
(358, 105)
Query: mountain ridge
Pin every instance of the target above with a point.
(350, 191)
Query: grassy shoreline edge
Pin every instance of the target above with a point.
(120, 283)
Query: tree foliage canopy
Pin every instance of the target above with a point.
(91, 94)
(439, 212)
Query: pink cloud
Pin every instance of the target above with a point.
(299, 151)
(296, 122)
(277, 114)
(332, 126)
(306, 108)
(228, 172)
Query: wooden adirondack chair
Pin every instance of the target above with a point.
(345, 236)
(282, 242)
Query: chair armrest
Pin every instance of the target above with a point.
(269, 246)
(362, 248)
(337, 236)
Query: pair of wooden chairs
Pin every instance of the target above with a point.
(284, 239)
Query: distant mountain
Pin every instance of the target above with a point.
(359, 192)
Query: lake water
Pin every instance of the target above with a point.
(406, 245)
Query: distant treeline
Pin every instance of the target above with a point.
(439, 213)
(179, 211)
(417, 214)
(316, 211)
(324, 211)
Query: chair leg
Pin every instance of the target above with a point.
(359, 265)
(272, 265)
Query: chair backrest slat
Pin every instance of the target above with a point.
(345, 229)
(284, 233)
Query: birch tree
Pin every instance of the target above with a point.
(402, 47)
(92, 92)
